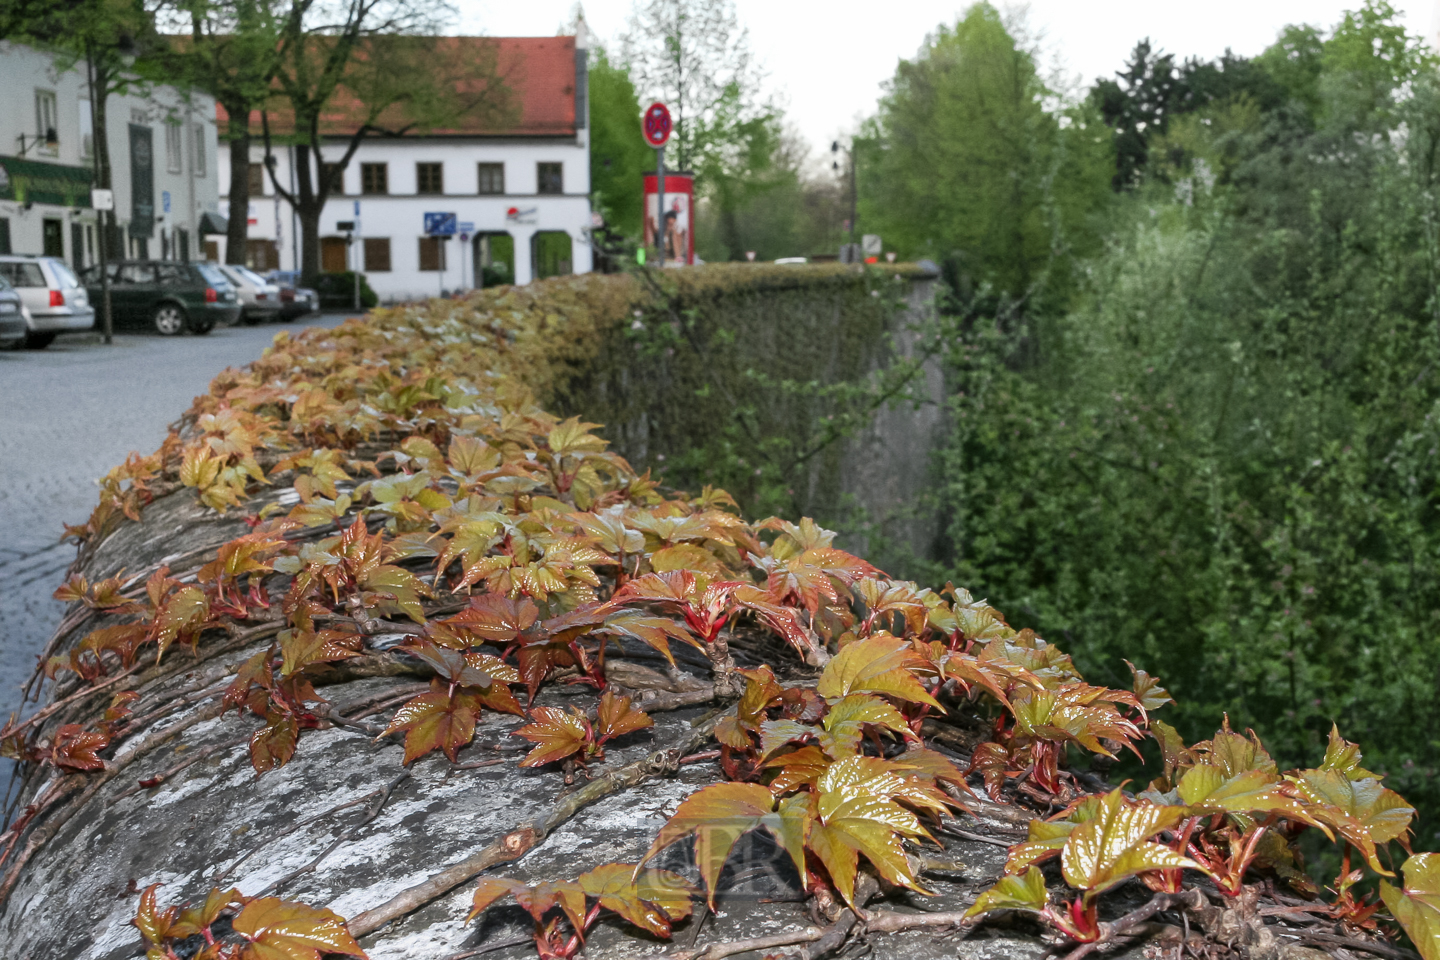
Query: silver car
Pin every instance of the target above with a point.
(259, 298)
(53, 299)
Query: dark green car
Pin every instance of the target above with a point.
(169, 296)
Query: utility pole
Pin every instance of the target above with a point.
(835, 149)
(102, 227)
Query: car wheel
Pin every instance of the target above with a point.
(38, 341)
(169, 319)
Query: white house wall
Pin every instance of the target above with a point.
(192, 190)
(399, 215)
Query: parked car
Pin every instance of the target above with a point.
(259, 298)
(12, 316)
(53, 299)
(295, 300)
(170, 296)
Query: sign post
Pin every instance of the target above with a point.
(441, 226)
(347, 227)
(657, 126)
(103, 201)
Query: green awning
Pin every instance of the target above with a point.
(30, 181)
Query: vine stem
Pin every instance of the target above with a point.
(1119, 927)
(525, 836)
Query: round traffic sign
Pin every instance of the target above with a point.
(657, 124)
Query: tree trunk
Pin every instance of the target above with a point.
(238, 134)
(100, 143)
(309, 215)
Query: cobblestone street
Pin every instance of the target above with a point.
(70, 413)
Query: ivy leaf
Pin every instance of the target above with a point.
(274, 744)
(1206, 788)
(652, 901)
(154, 925)
(1025, 892)
(1344, 756)
(557, 734)
(1047, 837)
(878, 664)
(856, 814)
(1362, 811)
(735, 730)
(498, 618)
(182, 615)
(301, 648)
(488, 891)
(453, 665)
(845, 723)
(615, 717)
(718, 815)
(284, 930)
(798, 768)
(1147, 689)
(1235, 754)
(1417, 904)
(437, 720)
(1116, 844)
(75, 748)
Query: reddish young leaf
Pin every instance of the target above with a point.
(75, 748)
(616, 718)
(437, 720)
(274, 744)
(556, 733)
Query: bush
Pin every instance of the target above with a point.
(337, 291)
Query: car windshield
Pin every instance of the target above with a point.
(5, 284)
(250, 275)
(212, 274)
(23, 273)
(67, 279)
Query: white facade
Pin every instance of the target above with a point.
(399, 215)
(181, 133)
(520, 198)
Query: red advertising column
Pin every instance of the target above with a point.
(679, 219)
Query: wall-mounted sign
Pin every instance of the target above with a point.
(165, 200)
(525, 215)
(440, 225)
(100, 199)
(142, 181)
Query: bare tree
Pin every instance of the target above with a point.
(695, 56)
(367, 71)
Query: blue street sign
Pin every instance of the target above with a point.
(467, 227)
(357, 208)
(165, 200)
(440, 224)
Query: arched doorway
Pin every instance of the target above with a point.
(552, 253)
(494, 255)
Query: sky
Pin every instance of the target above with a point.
(827, 61)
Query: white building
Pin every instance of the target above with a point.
(519, 195)
(162, 161)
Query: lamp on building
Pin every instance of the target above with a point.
(51, 141)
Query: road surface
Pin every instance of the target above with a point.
(67, 415)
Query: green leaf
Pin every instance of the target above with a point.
(1417, 904)
(1025, 892)
(718, 816)
(285, 930)
(1362, 811)
(1344, 756)
(1116, 844)
(652, 901)
(879, 664)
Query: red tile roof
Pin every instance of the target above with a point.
(538, 72)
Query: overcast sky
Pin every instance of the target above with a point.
(827, 60)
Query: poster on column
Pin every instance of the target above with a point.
(678, 220)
